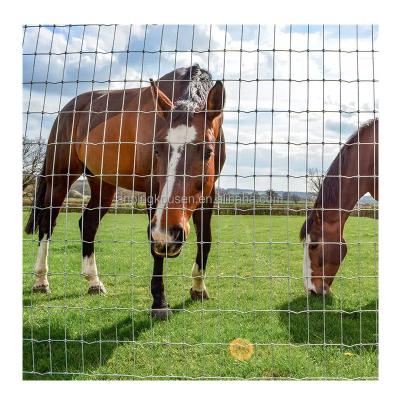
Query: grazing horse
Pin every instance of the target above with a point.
(352, 174)
(165, 140)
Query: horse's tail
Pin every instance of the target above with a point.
(38, 203)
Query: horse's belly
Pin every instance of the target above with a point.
(122, 164)
(130, 182)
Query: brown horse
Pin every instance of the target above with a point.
(165, 140)
(352, 174)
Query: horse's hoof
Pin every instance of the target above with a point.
(41, 289)
(161, 313)
(195, 295)
(97, 289)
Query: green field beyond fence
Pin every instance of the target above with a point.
(254, 276)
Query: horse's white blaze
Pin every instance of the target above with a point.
(41, 266)
(198, 279)
(308, 285)
(177, 138)
(89, 270)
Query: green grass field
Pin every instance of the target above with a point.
(254, 278)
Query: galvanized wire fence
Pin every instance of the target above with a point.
(294, 95)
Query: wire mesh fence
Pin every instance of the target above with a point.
(128, 123)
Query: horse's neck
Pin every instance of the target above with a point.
(351, 192)
(352, 174)
(342, 190)
(357, 178)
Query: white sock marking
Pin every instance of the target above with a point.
(198, 279)
(41, 266)
(89, 270)
(308, 285)
(177, 138)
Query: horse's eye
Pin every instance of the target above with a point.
(208, 153)
(313, 246)
(156, 151)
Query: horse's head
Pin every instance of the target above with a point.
(324, 250)
(185, 165)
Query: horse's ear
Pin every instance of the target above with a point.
(161, 100)
(215, 100)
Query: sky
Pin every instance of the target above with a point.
(327, 70)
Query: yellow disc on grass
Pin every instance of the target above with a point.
(241, 349)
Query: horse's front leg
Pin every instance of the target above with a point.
(160, 308)
(202, 223)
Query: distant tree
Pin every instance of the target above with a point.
(272, 196)
(286, 196)
(33, 152)
(222, 195)
(295, 198)
(314, 181)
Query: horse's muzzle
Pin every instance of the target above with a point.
(173, 245)
(322, 289)
(167, 250)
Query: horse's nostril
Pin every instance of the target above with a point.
(326, 290)
(178, 234)
(160, 248)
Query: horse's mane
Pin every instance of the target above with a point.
(328, 195)
(194, 98)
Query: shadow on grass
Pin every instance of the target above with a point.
(315, 321)
(30, 298)
(69, 354)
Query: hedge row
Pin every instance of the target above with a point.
(227, 209)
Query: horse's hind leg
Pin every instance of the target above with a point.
(102, 195)
(56, 190)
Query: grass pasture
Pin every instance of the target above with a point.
(254, 276)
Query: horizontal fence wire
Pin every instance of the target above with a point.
(296, 98)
